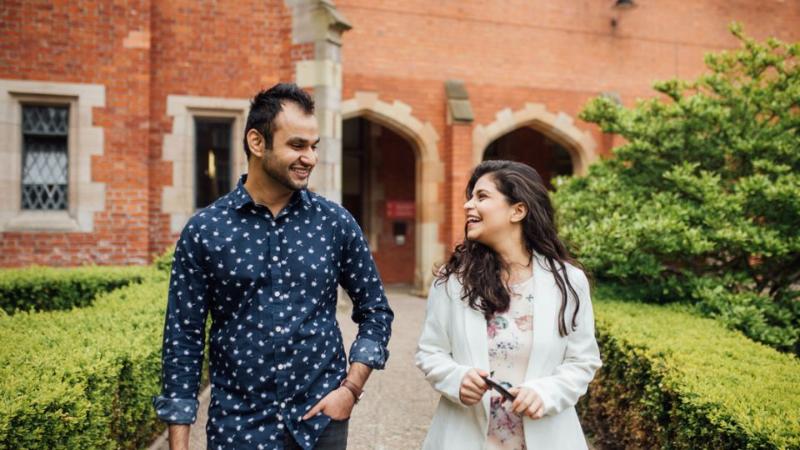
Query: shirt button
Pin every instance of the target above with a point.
(274, 258)
(280, 366)
(278, 329)
(276, 294)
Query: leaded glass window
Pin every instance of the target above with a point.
(45, 161)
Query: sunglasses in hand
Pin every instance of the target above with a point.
(494, 384)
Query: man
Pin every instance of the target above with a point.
(265, 261)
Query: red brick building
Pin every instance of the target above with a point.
(119, 118)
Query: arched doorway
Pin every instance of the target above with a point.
(534, 148)
(534, 125)
(379, 189)
(421, 137)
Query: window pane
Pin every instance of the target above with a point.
(213, 160)
(45, 120)
(45, 162)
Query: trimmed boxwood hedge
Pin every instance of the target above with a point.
(671, 380)
(48, 288)
(163, 262)
(83, 378)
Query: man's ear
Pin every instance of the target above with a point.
(518, 212)
(256, 142)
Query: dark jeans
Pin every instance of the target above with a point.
(334, 437)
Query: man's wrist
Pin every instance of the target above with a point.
(179, 436)
(354, 389)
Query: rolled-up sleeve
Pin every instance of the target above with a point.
(371, 311)
(184, 332)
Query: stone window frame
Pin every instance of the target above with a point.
(85, 141)
(178, 199)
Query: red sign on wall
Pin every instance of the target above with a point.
(398, 209)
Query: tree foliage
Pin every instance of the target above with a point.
(702, 201)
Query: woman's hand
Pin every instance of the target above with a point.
(473, 387)
(527, 402)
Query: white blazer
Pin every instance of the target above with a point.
(454, 339)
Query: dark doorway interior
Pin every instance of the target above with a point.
(533, 148)
(378, 188)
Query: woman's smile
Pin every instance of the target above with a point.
(473, 220)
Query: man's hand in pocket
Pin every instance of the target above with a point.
(337, 405)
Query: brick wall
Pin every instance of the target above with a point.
(514, 52)
(100, 43)
(508, 53)
(141, 52)
(216, 49)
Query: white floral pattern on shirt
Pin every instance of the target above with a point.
(269, 284)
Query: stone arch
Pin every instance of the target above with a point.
(429, 174)
(559, 127)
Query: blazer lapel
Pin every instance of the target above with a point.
(543, 314)
(477, 340)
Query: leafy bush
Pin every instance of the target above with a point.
(47, 288)
(673, 380)
(83, 378)
(163, 262)
(702, 201)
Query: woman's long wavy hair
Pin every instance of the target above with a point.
(480, 270)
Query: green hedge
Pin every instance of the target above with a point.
(48, 289)
(163, 262)
(672, 380)
(83, 378)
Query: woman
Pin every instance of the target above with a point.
(510, 304)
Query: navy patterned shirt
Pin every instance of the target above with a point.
(270, 285)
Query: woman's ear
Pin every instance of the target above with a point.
(518, 212)
(256, 142)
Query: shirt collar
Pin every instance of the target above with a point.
(242, 198)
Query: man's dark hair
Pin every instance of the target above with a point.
(266, 106)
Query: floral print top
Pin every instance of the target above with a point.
(510, 340)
